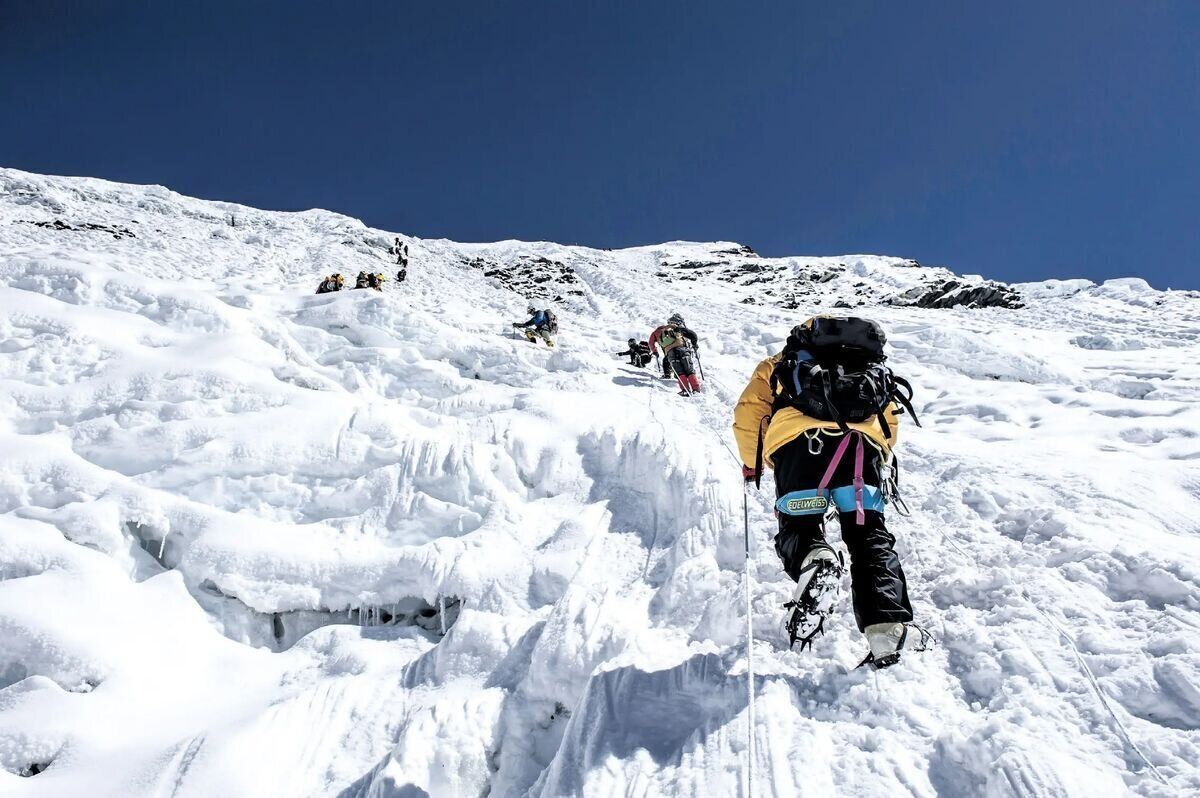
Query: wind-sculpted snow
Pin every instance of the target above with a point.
(255, 541)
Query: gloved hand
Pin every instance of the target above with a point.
(516, 324)
(749, 474)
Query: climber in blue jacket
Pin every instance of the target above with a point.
(542, 324)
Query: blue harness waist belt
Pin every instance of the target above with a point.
(816, 502)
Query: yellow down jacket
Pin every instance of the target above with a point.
(754, 408)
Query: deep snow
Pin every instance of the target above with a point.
(256, 542)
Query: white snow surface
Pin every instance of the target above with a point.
(258, 542)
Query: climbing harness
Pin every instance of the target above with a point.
(857, 496)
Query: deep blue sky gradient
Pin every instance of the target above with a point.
(1020, 140)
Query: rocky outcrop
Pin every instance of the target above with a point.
(955, 293)
(531, 275)
(116, 231)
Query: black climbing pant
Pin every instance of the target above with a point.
(877, 581)
(682, 360)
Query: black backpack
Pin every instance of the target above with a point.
(833, 370)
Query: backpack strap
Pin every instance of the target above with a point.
(884, 426)
(837, 458)
(905, 401)
(859, 483)
(860, 515)
(833, 411)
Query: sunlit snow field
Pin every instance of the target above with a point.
(258, 542)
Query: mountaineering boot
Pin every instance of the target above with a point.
(887, 640)
(816, 594)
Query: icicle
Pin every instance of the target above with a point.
(442, 613)
(162, 546)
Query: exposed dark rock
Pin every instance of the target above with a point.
(529, 275)
(765, 278)
(820, 275)
(750, 268)
(113, 230)
(955, 293)
(741, 250)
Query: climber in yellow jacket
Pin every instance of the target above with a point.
(824, 415)
(753, 412)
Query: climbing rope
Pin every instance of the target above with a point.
(1121, 730)
(750, 751)
(1091, 677)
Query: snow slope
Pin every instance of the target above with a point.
(257, 542)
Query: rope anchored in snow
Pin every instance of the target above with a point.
(1091, 677)
(1119, 726)
(750, 753)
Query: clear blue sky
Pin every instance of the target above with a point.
(1020, 140)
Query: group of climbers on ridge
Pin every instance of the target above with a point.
(400, 250)
(365, 279)
(335, 282)
(823, 414)
(680, 353)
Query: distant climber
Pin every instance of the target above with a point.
(402, 275)
(542, 324)
(400, 250)
(638, 353)
(824, 414)
(370, 280)
(333, 282)
(681, 350)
